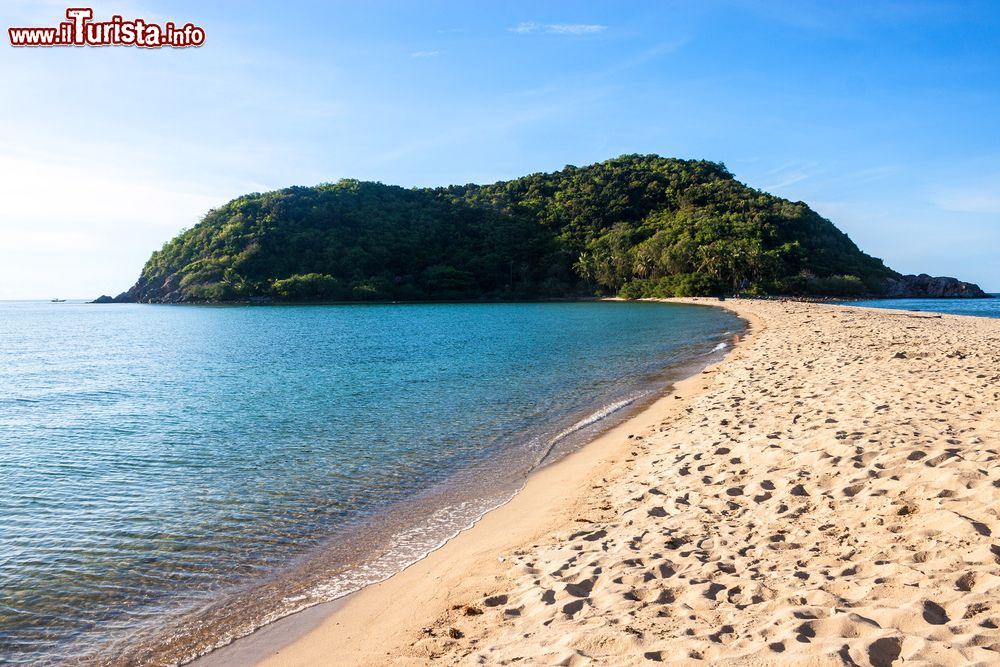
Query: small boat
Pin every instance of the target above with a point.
(58, 300)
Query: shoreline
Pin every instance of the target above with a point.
(827, 494)
(544, 488)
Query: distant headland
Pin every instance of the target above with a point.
(634, 226)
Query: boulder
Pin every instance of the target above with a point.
(930, 287)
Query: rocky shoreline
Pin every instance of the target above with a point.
(921, 286)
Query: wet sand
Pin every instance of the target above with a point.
(828, 494)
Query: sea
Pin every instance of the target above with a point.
(173, 477)
(978, 307)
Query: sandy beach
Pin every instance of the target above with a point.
(826, 495)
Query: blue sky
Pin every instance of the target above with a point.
(883, 116)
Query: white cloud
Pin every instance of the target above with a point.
(575, 28)
(424, 54)
(784, 175)
(526, 27)
(786, 179)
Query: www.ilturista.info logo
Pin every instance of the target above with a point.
(81, 30)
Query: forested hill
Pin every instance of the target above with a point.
(637, 225)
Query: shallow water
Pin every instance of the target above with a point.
(979, 307)
(173, 476)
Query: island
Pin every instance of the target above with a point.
(634, 226)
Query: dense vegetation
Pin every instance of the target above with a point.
(637, 225)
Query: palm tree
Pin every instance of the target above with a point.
(711, 260)
(584, 267)
(645, 261)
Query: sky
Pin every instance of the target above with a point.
(882, 116)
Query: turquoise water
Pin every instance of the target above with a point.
(980, 307)
(172, 477)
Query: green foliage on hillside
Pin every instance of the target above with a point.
(635, 225)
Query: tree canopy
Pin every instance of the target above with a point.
(636, 225)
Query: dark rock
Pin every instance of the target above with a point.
(126, 297)
(163, 291)
(104, 298)
(930, 287)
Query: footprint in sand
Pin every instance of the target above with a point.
(572, 608)
(934, 613)
(805, 633)
(883, 652)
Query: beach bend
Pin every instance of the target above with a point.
(826, 495)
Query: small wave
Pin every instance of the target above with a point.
(406, 548)
(720, 346)
(594, 417)
(590, 419)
